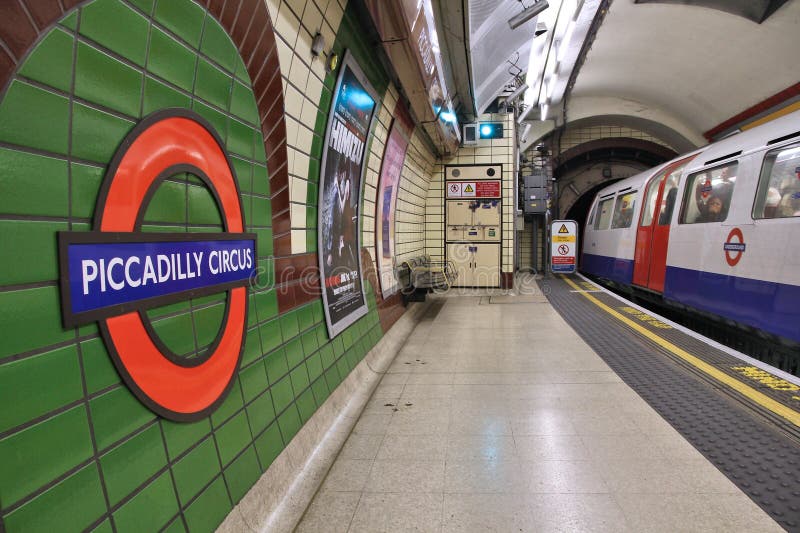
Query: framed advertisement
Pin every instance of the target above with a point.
(341, 176)
(393, 158)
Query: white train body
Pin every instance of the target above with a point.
(727, 242)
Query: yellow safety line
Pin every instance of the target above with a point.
(763, 400)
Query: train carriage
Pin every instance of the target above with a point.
(714, 231)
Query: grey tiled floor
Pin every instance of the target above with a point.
(498, 417)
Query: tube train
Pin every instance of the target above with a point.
(715, 231)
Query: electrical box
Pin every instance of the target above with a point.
(470, 135)
(534, 194)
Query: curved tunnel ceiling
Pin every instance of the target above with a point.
(755, 10)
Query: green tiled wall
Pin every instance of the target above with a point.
(77, 450)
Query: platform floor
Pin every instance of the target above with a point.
(498, 417)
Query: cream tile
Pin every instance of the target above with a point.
(577, 512)
(380, 512)
(466, 447)
(487, 512)
(551, 448)
(413, 448)
(329, 511)
(405, 476)
(347, 475)
(361, 447)
(563, 477)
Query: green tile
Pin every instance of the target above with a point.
(171, 60)
(270, 333)
(35, 322)
(168, 204)
(30, 116)
(240, 139)
(218, 46)
(104, 80)
(305, 317)
(290, 423)
(72, 505)
(38, 384)
(51, 61)
(97, 366)
(96, 135)
(263, 241)
(169, 309)
(332, 377)
(42, 452)
(104, 527)
(243, 104)
(261, 412)
(294, 352)
(269, 445)
(219, 122)
(175, 527)
(267, 305)
(322, 334)
(70, 21)
(252, 347)
(262, 212)
(116, 27)
(306, 405)
(289, 327)
(196, 470)
(117, 414)
(144, 5)
(311, 217)
(260, 178)
(35, 256)
(208, 322)
(266, 273)
(276, 365)
(176, 333)
(33, 184)
(131, 463)
(314, 366)
(253, 380)
(258, 144)
(202, 206)
(182, 435)
(213, 85)
(242, 474)
(183, 17)
(86, 181)
(233, 437)
(159, 96)
(299, 378)
(150, 509)
(243, 171)
(210, 508)
(327, 356)
(282, 394)
(231, 405)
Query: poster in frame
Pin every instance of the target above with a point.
(386, 202)
(342, 169)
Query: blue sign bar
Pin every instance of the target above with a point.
(120, 276)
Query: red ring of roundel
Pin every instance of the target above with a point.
(161, 140)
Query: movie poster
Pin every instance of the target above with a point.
(341, 175)
(393, 158)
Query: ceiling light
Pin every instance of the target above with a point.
(544, 108)
(527, 14)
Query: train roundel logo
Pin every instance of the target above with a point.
(734, 247)
(115, 272)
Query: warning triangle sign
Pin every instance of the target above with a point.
(563, 229)
(469, 189)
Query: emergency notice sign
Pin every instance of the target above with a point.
(563, 246)
(473, 189)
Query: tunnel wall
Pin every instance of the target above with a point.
(77, 449)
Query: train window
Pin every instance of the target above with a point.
(623, 211)
(591, 216)
(650, 196)
(708, 195)
(603, 213)
(779, 185)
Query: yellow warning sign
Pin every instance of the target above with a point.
(563, 229)
(469, 189)
(563, 238)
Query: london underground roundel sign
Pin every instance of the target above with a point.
(116, 272)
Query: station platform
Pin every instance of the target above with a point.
(560, 408)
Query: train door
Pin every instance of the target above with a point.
(652, 235)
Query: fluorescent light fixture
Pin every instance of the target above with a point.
(525, 131)
(544, 108)
(517, 93)
(527, 14)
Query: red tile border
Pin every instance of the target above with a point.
(772, 101)
(43, 13)
(16, 30)
(506, 280)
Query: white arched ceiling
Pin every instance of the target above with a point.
(690, 67)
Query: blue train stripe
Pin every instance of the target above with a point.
(613, 268)
(769, 306)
